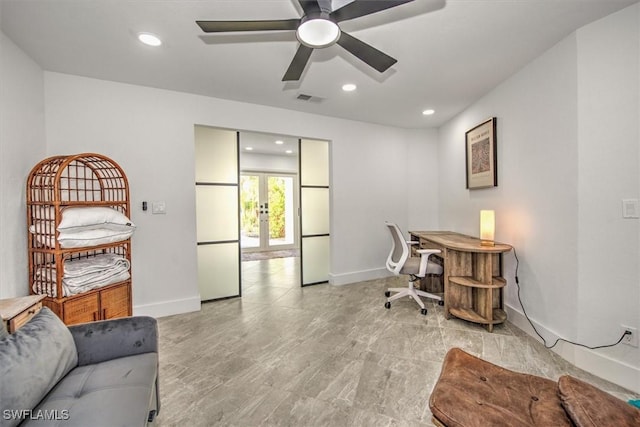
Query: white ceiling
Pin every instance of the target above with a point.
(449, 52)
(265, 143)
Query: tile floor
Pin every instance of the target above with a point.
(323, 355)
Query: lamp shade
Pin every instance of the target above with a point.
(487, 227)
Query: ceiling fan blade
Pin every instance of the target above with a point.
(358, 8)
(230, 26)
(298, 64)
(309, 6)
(368, 54)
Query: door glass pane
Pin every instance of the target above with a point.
(216, 213)
(314, 206)
(315, 211)
(315, 252)
(218, 270)
(281, 210)
(216, 155)
(314, 163)
(250, 211)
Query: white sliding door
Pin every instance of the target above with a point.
(217, 198)
(314, 211)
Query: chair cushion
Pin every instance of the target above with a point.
(412, 266)
(33, 360)
(474, 392)
(117, 392)
(589, 406)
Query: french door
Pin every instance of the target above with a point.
(268, 211)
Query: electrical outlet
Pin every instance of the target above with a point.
(630, 339)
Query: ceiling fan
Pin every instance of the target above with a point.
(317, 29)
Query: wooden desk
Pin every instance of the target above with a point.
(472, 276)
(15, 312)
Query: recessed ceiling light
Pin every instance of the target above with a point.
(149, 39)
(248, 148)
(349, 87)
(279, 142)
(289, 151)
(428, 112)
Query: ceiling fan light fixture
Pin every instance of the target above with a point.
(318, 32)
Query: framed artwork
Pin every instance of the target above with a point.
(482, 156)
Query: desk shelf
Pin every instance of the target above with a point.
(498, 315)
(496, 283)
(480, 306)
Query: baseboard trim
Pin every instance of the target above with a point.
(598, 364)
(358, 276)
(168, 308)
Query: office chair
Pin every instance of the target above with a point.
(400, 261)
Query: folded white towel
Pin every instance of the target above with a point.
(94, 265)
(81, 275)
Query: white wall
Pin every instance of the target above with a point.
(423, 180)
(567, 154)
(536, 198)
(609, 171)
(22, 145)
(149, 132)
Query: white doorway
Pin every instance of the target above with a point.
(298, 171)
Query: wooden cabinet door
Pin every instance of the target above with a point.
(116, 302)
(82, 309)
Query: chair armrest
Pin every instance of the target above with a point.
(428, 251)
(109, 339)
(424, 259)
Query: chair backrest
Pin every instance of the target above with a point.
(399, 249)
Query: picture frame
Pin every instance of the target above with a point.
(481, 155)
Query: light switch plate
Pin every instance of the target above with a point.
(158, 208)
(630, 208)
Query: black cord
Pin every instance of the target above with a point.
(559, 339)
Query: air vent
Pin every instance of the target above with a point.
(309, 98)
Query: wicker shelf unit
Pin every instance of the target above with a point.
(59, 182)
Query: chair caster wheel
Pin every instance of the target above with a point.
(387, 294)
(440, 303)
(387, 305)
(423, 311)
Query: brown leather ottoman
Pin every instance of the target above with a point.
(474, 392)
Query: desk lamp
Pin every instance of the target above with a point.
(487, 227)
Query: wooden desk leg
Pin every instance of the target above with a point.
(445, 282)
(484, 297)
